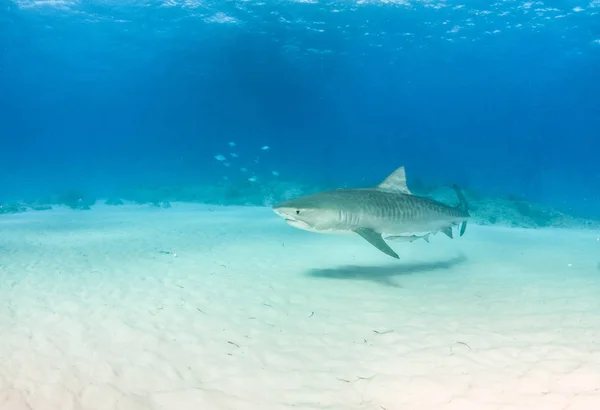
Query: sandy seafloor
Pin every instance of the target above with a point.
(204, 307)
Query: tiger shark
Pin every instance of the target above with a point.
(388, 209)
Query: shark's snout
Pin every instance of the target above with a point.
(292, 215)
(286, 213)
(281, 210)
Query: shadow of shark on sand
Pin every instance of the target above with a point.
(383, 274)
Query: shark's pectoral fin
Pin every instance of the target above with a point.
(463, 228)
(375, 239)
(448, 232)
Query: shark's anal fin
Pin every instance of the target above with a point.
(375, 239)
(448, 231)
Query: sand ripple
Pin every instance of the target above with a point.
(199, 307)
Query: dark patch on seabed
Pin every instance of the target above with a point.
(383, 274)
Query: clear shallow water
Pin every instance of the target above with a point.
(158, 303)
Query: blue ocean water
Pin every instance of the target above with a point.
(163, 102)
(499, 97)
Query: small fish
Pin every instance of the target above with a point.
(234, 155)
(252, 179)
(231, 144)
(275, 173)
(265, 148)
(408, 238)
(226, 164)
(220, 157)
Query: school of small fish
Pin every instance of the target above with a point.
(232, 156)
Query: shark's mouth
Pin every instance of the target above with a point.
(300, 225)
(290, 220)
(296, 223)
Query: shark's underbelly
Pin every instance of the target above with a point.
(398, 226)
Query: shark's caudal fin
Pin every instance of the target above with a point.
(395, 182)
(462, 206)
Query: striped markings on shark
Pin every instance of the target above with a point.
(388, 209)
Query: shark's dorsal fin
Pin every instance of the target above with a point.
(395, 182)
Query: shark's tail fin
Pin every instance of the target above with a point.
(463, 206)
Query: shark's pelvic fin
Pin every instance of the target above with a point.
(375, 239)
(395, 182)
(448, 231)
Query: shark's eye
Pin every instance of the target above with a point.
(297, 212)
